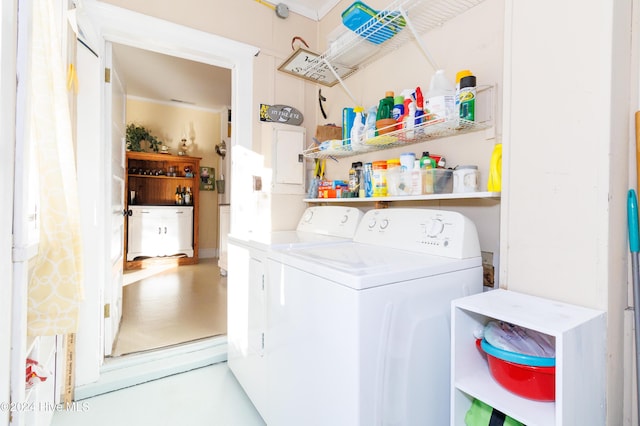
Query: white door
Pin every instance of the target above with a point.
(91, 168)
(115, 131)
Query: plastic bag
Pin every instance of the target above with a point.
(36, 373)
(518, 339)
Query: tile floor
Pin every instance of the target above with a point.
(205, 396)
(172, 305)
(165, 307)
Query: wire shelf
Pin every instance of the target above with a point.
(429, 130)
(385, 32)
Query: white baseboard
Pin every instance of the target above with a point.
(207, 253)
(129, 370)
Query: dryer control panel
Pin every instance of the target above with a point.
(337, 221)
(437, 232)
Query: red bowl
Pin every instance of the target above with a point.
(537, 383)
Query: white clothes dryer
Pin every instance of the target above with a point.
(247, 280)
(359, 333)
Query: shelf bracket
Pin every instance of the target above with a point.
(424, 49)
(344, 86)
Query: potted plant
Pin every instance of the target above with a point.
(136, 134)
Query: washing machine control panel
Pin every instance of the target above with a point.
(434, 228)
(437, 232)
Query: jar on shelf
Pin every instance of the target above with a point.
(379, 178)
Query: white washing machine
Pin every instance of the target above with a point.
(247, 282)
(359, 333)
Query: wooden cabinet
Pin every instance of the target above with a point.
(156, 226)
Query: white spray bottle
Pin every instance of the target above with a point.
(357, 129)
(409, 121)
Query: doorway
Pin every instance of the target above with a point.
(176, 100)
(101, 22)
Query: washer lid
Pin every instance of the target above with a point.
(285, 239)
(361, 266)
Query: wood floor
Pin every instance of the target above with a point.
(170, 305)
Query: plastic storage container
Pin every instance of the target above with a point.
(437, 181)
(516, 373)
(359, 18)
(399, 182)
(418, 181)
(466, 179)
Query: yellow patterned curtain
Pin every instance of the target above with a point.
(55, 284)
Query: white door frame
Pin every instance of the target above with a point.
(101, 22)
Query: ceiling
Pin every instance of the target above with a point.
(164, 78)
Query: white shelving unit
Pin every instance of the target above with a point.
(580, 336)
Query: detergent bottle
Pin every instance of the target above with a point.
(494, 183)
(385, 107)
(398, 108)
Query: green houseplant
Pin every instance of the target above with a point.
(136, 134)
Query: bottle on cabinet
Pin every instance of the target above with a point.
(179, 200)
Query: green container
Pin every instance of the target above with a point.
(481, 414)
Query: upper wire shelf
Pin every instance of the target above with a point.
(404, 19)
